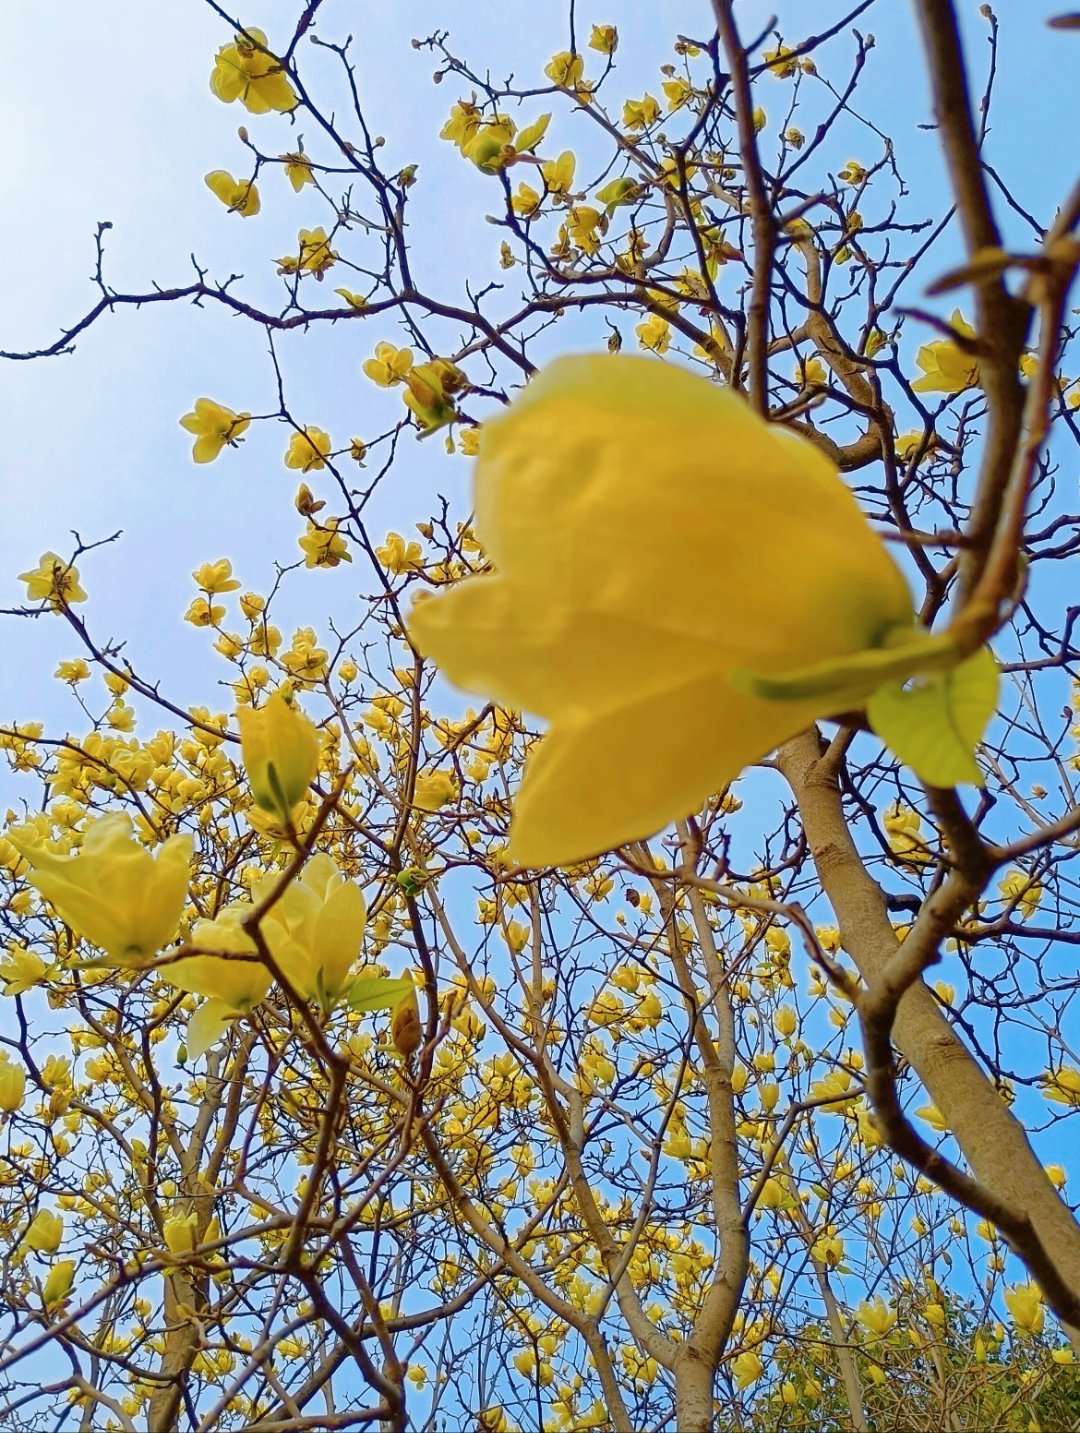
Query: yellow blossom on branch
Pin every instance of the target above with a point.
(214, 426)
(54, 581)
(240, 196)
(323, 545)
(247, 72)
(308, 450)
(946, 367)
(298, 170)
(389, 366)
(280, 748)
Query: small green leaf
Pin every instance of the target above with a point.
(371, 993)
(935, 725)
(848, 681)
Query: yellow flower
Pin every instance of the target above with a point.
(654, 334)
(245, 71)
(526, 201)
(946, 367)
(22, 969)
(876, 1316)
(565, 69)
(747, 1368)
(230, 975)
(1017, 887)
(604, 38)
(558, 174)
(215, 577)
(1024, 1302)
(114, 893)
(213, 426)
(239, 196)
(323, 546)
(612, 481)
(434, 789)
(406, 1030)
(72, 671)
(316, 254)
(462, 125)
(354, 300)
(639, 114)
(308, 450)
(12, 1086)
(54, 581)
(1063, 1086)
(58, 1284)
(389, 366)
(179, 1234)
(314, 930)
(585, 226)
(430, 389)
(298, 170)
(202, 613)
(396, 555)
(45, 1232)
(280, 748)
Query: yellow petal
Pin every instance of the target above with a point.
(601, 783)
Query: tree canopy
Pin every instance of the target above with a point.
(600, 954)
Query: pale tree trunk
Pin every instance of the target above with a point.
(992, 1140)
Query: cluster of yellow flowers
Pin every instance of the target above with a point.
(129, 903)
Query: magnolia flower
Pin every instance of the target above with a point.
(315, 928)
(946, 368)
(678, 588)
(114, 893)
(45, 1232)
(280, 747)
(246, 71)
(229, 974)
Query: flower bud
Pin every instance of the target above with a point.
(405, 1028)
(280, 749)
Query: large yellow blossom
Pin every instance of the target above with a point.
(245, 71)
(114, 893)
(227, 972)
(651, 536)
(315, 929)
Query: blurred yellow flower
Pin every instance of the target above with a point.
(45, 1232)
(614, 498)
(114, 893)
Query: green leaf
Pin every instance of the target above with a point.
(849, 680)
(935, 724)
(372, 993)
